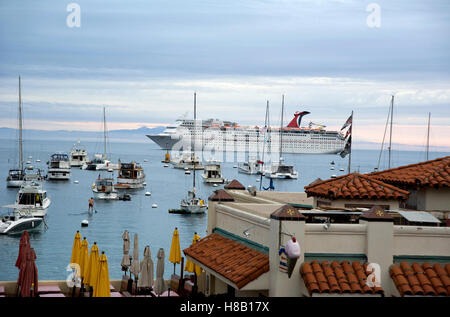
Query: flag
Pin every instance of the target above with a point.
(348, 122)
(347, 148)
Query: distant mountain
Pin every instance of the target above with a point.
(123, 135)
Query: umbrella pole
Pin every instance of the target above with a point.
(174, 265)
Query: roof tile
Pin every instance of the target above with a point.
(335, 277)
(425, 279)
(355, 186)
(434, 173)
(238, 263)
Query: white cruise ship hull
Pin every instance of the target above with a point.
(296, 143)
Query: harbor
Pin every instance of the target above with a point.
(208, 156)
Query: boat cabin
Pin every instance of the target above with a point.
(104, 185)
(130, 171)
(32, 199)
(16, 174)
(56, 158)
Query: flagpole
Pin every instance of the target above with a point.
(350, 152)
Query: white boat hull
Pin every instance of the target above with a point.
(194, 209)
(130, 183)
(106, 196)
(20, 225)
(281, 175)
(14, 183)
(58, 174)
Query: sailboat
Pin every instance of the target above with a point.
(16, 176)
(100, 161)
(281, 170)
(254, 165)
(389, 117)
(193, 204)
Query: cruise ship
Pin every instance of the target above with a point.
(216, 135)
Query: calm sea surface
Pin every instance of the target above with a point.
(154, 226)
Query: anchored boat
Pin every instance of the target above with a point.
(103, 189)
(131, 176)
(59, 167)
(78, 155)
(213, 174)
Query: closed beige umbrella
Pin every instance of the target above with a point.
(126, 262)
(135, 264)
(160, 285)
(146, 279)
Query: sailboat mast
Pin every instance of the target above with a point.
(266, 122)
(281, 127)
(350, 152)
(390, 133)
(428, 134)
(104, 133)
(193, 141)
(20, 128)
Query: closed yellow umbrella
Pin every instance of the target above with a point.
(102, 286)
(191, 267)
(76, 248)
(91, 271)
(175, 250)
(84, 256)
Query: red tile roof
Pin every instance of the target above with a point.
(357, 186)
(221, 195)
(344, 277)
(435, 173)
(425, 279)
(234, 184)
(234, 261)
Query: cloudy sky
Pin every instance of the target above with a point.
(144, 59)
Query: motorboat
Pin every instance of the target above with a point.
(32, 200)
(187, 160)
(251, 167)
(131, 176)
(281, 171)
(212, 174)
(103, 189)
(34, 174)
(78, 155)
(16, 175)
(15, 178)
(59, 167)
(98, 162)
(17, 224)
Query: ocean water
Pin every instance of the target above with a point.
(154, 226)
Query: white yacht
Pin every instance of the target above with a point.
(59, 167)
(187, 161)
(103, 189)
(78, 155)
(131, 176)
(15, 178)
(31, 200)
(282, 171)
(213, 174)
(17, 224)
(251, 167)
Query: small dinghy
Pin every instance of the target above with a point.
(154, 206)
(148, 194)
(84, 223)
(75, 182)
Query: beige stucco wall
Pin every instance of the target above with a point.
(415, 240)
(340, 203)
(350, 238)
(437, 199)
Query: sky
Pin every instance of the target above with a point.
(143, 60)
